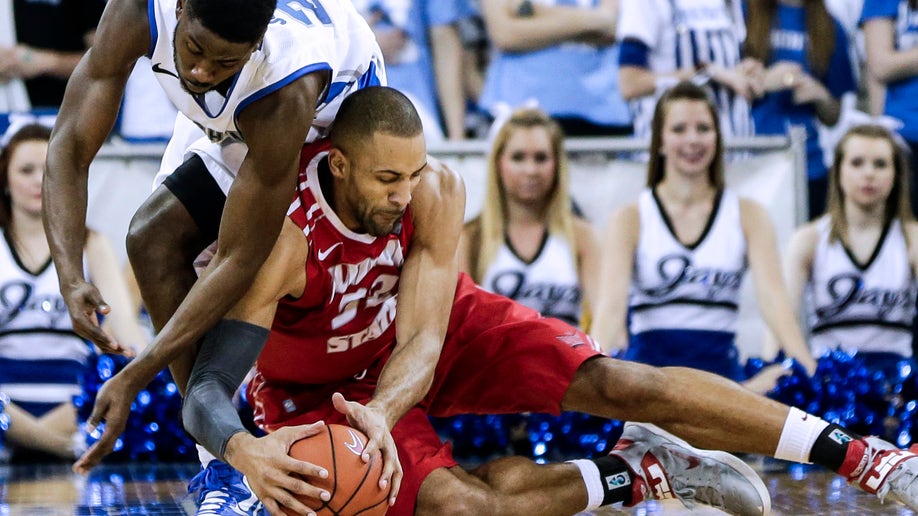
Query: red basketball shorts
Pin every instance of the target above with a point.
(498, 357)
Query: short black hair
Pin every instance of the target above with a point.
(238, 21)
(372, 110)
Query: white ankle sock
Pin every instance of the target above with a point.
(590, 474)
(798, 436)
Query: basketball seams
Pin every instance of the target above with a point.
(372, 507)
(334, 469)
(359, 485)
(357, 497)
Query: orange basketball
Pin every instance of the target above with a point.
(353, 484)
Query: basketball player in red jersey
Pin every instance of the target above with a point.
(371, 324)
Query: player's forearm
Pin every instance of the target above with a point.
(207, 302)
(828, 111)
(87, 115)
(227, 354)
(406, 378)
(64, 198)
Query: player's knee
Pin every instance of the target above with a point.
(507, 474)
(633, 383)
(160, 228)
(137, 236)
(614, 383)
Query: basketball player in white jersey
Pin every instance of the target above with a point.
(855, 268)
(252, 84)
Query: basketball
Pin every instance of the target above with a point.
(353, 484)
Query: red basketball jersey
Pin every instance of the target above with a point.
(345, 319)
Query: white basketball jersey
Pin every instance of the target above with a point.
(866, 307)
(675, 286)
(548, 284)
(35, 327)
(304, 36)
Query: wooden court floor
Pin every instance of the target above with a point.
(151, 489)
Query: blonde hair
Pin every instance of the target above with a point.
(489, 226)
(898, 204)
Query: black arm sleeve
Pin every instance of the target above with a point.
(228, 352)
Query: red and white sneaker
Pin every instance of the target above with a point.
(668, 467)
(887, 472)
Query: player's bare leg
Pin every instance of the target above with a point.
(716, 413)
(515, 485)
(510, 486)
(163, 241)
(706, 410)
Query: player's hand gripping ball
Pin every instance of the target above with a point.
(353, 483)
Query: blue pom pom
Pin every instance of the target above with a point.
(153, 432)
(868, 396)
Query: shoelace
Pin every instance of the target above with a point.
(216, 502)
(213, 503)
(688, 495)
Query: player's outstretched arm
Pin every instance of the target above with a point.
(87, 115)
(222, 363)
(227, 354)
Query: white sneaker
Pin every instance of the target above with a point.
(668, 467)
(888, 472)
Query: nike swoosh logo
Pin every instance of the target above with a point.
(157, 68)
(324, 254)
(356, 447)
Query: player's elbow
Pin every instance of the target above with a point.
(194, 412)
(208, 414)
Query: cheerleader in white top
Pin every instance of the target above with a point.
(527, 244)
(41, 358)
(854, 268)
(682, 251)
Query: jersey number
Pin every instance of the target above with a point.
(307, 12)
(351, 302)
